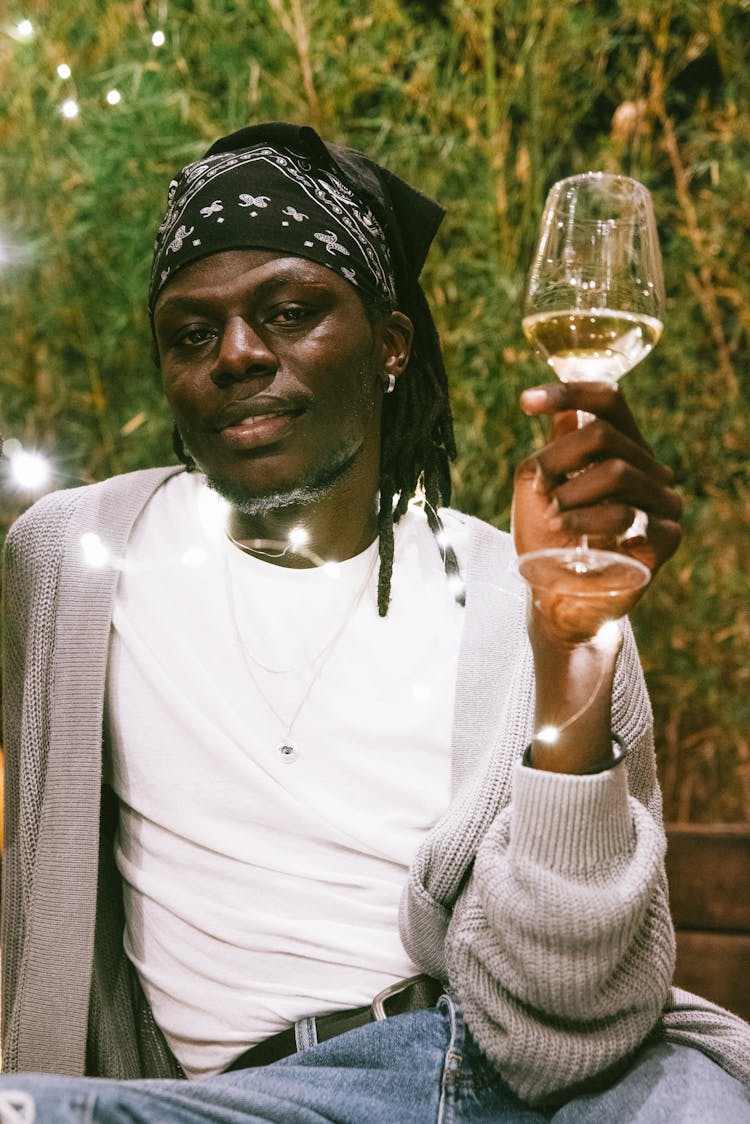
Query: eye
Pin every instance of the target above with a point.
(290, 314)
(194, 336)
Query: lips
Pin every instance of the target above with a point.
(258, 421)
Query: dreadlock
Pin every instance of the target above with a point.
(417, 442)
(183, 456)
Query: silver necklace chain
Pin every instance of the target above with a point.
(287, 748)
(329, 643)
(254, 547)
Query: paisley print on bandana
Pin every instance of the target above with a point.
(273, 199)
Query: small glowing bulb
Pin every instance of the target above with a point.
(29, 470)
(550, 735)
(442, 540)
(158, 38)
(456, 585)
(298, 537)
(69, 109)
(114, 97)
(608, 636)
(64, 70)
(95, 553)
(25, 29)
(331, 570)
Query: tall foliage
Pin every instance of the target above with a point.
(482, 105)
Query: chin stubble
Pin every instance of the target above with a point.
(315, 488)
(319, 483)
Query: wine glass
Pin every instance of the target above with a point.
(593, 309)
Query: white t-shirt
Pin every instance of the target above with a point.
(261, 888)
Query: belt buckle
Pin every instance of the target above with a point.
(378, 1004)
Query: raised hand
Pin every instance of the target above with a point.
(592, 481)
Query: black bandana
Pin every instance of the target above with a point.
(279, 187)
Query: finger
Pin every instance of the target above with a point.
(567, 421)
(597, 441)
(664, 537)
(604, 399)
(604, 524)
(617, 480)
(637, 531)
(530, 471)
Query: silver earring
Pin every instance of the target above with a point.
(391, 383)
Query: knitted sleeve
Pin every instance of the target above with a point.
(30, 578)
(561, 947)
(59, 967)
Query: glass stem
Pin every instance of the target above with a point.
(583, 417)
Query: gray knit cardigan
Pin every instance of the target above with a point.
(539, 898)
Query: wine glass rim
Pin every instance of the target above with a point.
(591, 175)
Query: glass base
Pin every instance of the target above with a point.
(582, 571)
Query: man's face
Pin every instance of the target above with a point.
(273, 373)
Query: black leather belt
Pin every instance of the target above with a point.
(414, 994)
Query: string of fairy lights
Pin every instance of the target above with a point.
(70, 108)
(27, 471)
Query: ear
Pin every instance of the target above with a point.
(397, 334)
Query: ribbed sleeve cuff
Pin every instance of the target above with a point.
(565, 821)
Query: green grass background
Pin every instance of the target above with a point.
(482, 105)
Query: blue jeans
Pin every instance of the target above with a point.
(420, 1068)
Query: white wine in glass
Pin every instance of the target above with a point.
(596, 345)
(593, 309)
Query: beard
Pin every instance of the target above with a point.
(314, 487)
(320, 479)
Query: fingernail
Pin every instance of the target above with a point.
(539, 481)
(533, 399)
(553, 509)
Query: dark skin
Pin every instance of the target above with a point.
(275, 375)
(587, 480)
(274, 371)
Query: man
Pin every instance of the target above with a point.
(315, 784)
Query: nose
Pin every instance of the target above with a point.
(243, 354)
